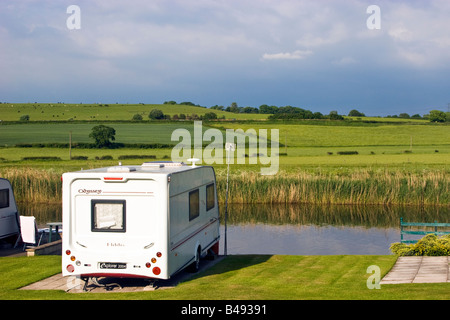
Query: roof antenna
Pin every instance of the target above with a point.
(193, 160)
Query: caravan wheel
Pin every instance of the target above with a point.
(195, 266)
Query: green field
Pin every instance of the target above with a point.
(59, 132)
(241, 277)
(300, 144)
(102, 112)
(415, 154)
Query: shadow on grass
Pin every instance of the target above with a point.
(219, 265)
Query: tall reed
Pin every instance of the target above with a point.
(362, 187)
(34, 185)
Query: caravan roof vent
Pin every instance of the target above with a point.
(152, 165)
(160, 164)
(120, 169)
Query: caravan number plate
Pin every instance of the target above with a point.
(112, 265)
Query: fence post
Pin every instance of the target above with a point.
(401, 229)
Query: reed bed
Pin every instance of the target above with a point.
(357, 187)
(361, 187)
(34, 185)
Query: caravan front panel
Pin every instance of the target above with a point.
(115, 227)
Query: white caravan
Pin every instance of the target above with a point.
(9, 217)
(148, 221)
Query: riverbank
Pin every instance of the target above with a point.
(357, 186)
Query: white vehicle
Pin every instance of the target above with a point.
(148, 221)
(9, 216)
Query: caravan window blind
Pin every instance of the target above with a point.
(194, 204)
(210, 196)
(4, 198)
(108, 215)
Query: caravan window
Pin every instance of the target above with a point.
(210, 196)
(4, 198)
(108, 215)
(194, 204)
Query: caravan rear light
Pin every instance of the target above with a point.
(148, 265)
(68, 252)
(113, 178)
(159, 254)
(156, 270)
(72, 258)
(153, 260)
(70, 268)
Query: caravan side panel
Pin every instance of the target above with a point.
(194, 218)
(9, 219)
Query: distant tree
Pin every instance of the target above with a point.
(437, 116)
(25, 117)
(249, 110)
(217, 107)
(156, 114)
(335, 116)
(317, 115)
(182, 116)
(416, 116)
(170, 102)
(137, 117)
(356, 113)
(265, 109)
(404, 115)
(233, 108)
(188, 103)
(103, 136)
(209, 116)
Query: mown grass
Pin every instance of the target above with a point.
(241, 277)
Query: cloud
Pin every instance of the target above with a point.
(345, 61)
(295, 55)
(215, 48)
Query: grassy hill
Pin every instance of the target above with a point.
(105, 112)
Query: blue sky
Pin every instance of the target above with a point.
(317, 55)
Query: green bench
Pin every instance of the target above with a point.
(421, 226)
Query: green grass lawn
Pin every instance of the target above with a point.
(242, 277)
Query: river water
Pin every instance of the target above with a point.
(300, 229)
